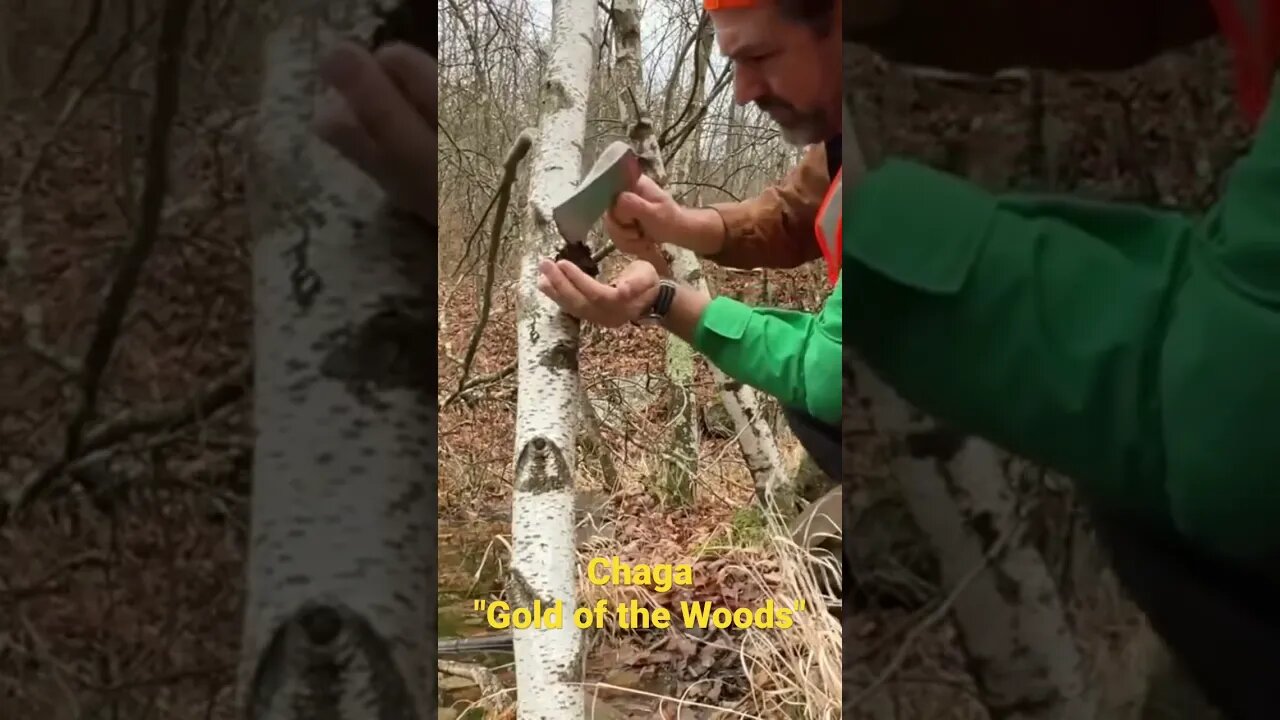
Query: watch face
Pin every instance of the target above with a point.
(648, 320)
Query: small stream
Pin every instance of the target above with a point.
(469, 567)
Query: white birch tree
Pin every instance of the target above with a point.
(549, 662)
(340, 610)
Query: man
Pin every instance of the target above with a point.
(786, 59)
(1141, 342)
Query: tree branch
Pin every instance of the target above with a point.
(172, 32)
(509, 167)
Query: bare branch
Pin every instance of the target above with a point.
(172, 33)
(73, 50)
(509, 167)
(221, 393)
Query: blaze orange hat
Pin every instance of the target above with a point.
(728, 4)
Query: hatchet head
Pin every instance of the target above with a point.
(616, 170)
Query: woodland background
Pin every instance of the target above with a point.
(125, 602)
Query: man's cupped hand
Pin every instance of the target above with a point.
(630, 295)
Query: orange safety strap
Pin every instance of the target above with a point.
(728, 4)
(829, 227)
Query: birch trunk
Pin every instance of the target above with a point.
(340, 614)
(681, 368)
(680, 466)
(1009, 614)
(755, 437)
(549, 663)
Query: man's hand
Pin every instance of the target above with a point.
(614, 305)
(384, 119)
(647, 215)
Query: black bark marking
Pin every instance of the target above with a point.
(939, 443)
(406, 502)
(543, 465)
(573, 673)
(522, 593)
(561, 356)
(323, 657)
(304, 282)
(558, 94)
(393, 349)
(984, 524)
(321, 624)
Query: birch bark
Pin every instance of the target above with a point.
(340, 616)
(549, 662)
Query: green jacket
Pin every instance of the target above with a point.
(791, 355)
(1135, 350)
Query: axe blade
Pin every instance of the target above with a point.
(617, 169)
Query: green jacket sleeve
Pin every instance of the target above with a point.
(791, 355)
(1131, 349)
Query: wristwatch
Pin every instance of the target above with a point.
(661, 304)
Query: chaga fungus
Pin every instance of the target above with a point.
(407, 23)
(579, 254)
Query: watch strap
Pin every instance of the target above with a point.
(661, 304)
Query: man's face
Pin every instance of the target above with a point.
(787, 69)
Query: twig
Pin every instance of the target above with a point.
(222, 392)
(490, 686)
(41, 585)
(68, 59)
(227, 389)
(47, 658)
(671, 145)
(697, 36)
(932, 618)
(169, 678)
(173, 26)
(478, 382)
(509, 167)
(33, 326)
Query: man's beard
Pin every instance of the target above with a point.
(797, 128)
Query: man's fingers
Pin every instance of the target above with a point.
(648, 189)
(592, 290)
(630, 209)
(338, 127)
(415, 72)
(562, 290)
(384, 113)
(620, 231)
